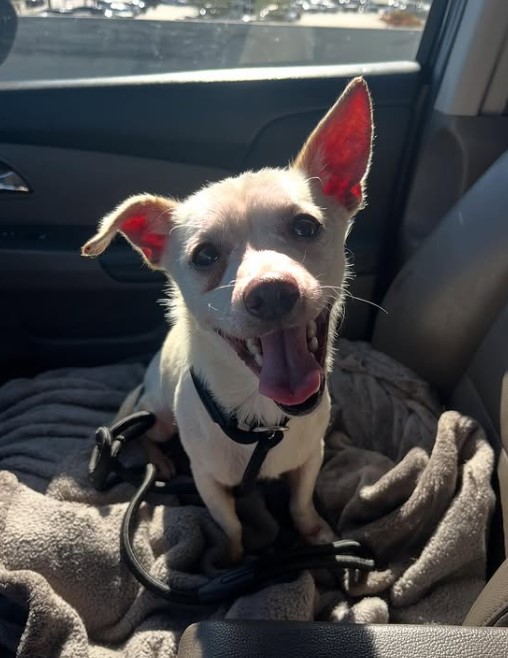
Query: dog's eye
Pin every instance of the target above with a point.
(305, 226)
(205, 255)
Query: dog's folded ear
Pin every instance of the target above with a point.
(338, 151)
(145, 221)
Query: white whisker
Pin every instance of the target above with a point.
(174, 227)
(227, 285)
(366, 301)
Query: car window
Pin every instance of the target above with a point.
(69, 39)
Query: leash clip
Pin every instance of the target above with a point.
(100, 464)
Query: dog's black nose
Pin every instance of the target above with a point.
(271, 299)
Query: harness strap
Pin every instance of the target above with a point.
(229, 422)
(256, 461)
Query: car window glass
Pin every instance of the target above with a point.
(69, 39)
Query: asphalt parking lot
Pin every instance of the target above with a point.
(339, 19)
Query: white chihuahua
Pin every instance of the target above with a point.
(257, 265)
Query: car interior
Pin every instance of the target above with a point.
(430, 248)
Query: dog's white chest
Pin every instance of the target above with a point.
(210, 449)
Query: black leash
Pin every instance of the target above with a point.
(105, 469)
(251, 575)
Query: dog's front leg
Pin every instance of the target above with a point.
(164, 429)
(302, 482)
(221, 505)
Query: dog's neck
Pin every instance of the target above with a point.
(232, 384)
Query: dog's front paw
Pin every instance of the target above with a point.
(314, 529)
(235, 552)
(320, 533)
(156, 456)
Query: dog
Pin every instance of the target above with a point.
(258, 270)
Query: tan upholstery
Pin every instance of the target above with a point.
(448, 320)
(447, 296)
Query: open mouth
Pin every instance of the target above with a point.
(290, 363)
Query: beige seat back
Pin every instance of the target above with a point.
(448, 320)
(448, 295)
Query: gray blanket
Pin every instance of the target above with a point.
(409, 481)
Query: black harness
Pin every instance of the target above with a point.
(265, 438)
(105, 470)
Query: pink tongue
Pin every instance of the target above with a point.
(290, 373)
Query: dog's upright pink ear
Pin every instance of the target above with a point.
(144, 220)
(338, 151)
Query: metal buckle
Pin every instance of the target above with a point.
(272, 430)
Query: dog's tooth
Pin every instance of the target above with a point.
(259, 360)
(313, 344)
(311, 329)
(253, 346)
